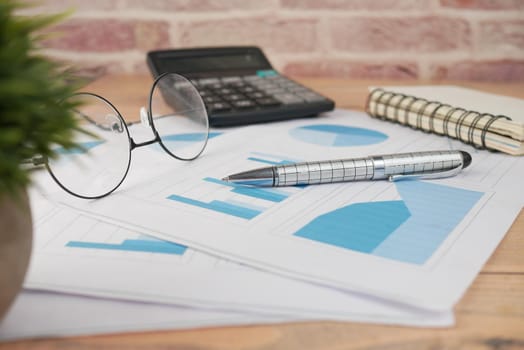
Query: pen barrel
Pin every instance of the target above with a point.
(322, 172)
(371, 168)
(418, 163)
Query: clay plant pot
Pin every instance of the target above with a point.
(16, 237)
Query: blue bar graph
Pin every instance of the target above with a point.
(255, 192)
(271, 162)
(244, 200)
(83, 147)
(189, 137)
(219, 206)
(144, 245)
(179, 141)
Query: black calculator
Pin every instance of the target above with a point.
(239, 86)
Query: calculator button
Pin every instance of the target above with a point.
(205, 93)
(211, 99)
(225, 91)
(267, 102)
(275, 91)
(279, 80)
(218, 107)
(216, 86)
(230, 80)
(291, 85)
(233, 97)
(289, 99)
(243, 104)
(261, 84)
(256, 95)
(298, 89)
(208, 81)
(252, 78)
(238, 85)
(266, 87)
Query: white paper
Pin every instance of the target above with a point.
(80, 254)
(427, 265)
(45, 314)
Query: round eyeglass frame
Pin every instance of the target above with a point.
(132, 143)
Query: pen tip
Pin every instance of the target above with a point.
(466, 158)
(226, 179)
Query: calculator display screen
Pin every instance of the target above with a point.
(244, 61)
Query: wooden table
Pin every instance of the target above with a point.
(489, 316)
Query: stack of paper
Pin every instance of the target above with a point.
(175, 234)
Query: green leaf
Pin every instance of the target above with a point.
(32, 88)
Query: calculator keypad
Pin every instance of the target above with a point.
(237, 93)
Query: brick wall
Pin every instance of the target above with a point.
(408, 39)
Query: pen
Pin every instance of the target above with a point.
(422, 165)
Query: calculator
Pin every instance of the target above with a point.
(239, 86)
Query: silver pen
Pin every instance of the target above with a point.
(417, 165)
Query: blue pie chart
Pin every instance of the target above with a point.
(333, 135)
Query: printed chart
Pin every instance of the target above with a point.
(142, 243)
(84, 147)
(65, 235)
(236, 200)
(333, 135)
(76, 253)
(412, 231)
(180, 141)
(408, 230)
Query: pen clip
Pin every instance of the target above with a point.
(430, 175)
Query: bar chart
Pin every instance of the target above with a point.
(180, 141)
(235, 200)
(83, 147)
(66, 233)
(142, 243)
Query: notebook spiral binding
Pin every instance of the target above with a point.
(381, 97)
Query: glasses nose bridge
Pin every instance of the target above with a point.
(141, 144)
(146, 122)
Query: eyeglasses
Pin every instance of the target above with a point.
(175, 113)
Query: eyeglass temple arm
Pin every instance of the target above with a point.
(35, 162)
(98, 125)
(38, 161)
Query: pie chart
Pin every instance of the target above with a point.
(333, 135)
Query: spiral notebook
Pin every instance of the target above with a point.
(481, 119)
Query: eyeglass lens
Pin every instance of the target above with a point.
(100, 163)
(178, 116)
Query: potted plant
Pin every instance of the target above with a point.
(35, 119)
